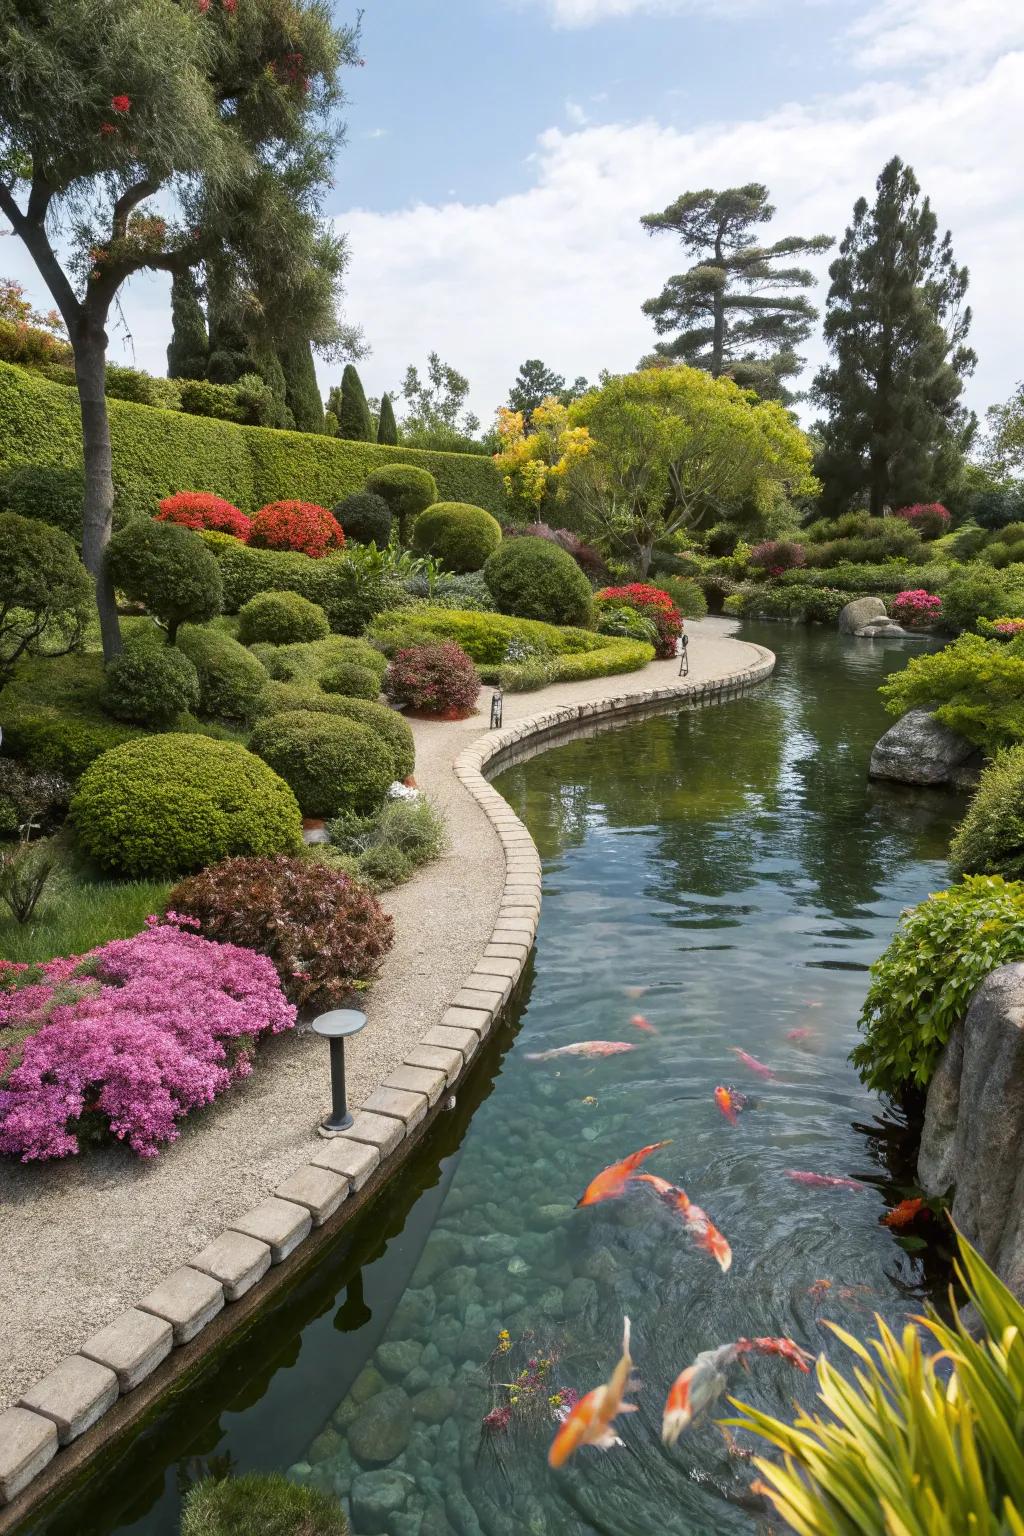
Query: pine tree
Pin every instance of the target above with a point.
(734, 308)
(896, 325)
(189, 346)
(387, 426)
(351, 409)
(301, 390)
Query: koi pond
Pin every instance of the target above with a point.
(728, 874)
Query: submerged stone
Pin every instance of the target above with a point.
(435, 1404)
(376, 1495)
(367, 1384)
(397, 1358)
(381, 1432)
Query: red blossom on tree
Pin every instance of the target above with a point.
(107, 128)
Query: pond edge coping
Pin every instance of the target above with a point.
(63, 1419)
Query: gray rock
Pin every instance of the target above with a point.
(856, 614)
(883, 629)
(376, 1495)
(919, 750)
(435, 1404)
(381, 1432)
(327, 1444)
(397, 1358)
(367, 1384)
(406, 1522)
(581, 1298)
(974, 1131)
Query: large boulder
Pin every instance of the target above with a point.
(856, 614)
(918, 749)
(381, 1432)
(974, 1125)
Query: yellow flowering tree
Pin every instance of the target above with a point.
(536, 464)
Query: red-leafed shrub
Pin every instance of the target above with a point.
(653, 604)
(931, 518)
(777, 555)
(297, 525)
(325, 933)
(202, 511)
(589, 559)
(915, 608)
(437, 679)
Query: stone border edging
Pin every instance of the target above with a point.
(75, 1396)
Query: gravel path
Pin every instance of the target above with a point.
(82, 1240)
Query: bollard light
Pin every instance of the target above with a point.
(684, 657)
(335, 1028)
(496, 707)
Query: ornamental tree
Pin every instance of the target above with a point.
(672, 448)
(225, 111)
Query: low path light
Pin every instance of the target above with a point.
(335, 1027)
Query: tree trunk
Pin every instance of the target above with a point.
(90, 347)
(644, 556)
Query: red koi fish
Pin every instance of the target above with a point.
(752, 1063)
(730, 1103)
(903, 1214)
(707, 1378)
(612, 1181)
(590, 1421)
(799, 1035)
(822, 1180)
(696, 1221)
(588, 1048)
(639, 1022)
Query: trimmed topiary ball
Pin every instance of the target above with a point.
(535, 579)
(366, 518)
(990, 839)
(168, 569)
(47, 492)
(332, 764)
(166, 805)
(282, 618)
(435, 679)
(278, 698)
(460, 535)
(408, 491)
(352, 680)
(260, 1504)
(230, 677)
(150, 685)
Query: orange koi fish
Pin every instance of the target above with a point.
(697, 1221)
(903, 1214)
(729, 1103)
(611, 1181)
(752, 1063)
(822, 1180)
(588, 1048)
(589, 1423)
(639, 1022)
(707, 1378)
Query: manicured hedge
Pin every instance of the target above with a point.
(158, 452)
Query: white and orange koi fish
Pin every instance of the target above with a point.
(588, 1048)
(697, 1221)
(707, 1378)
(590, 1422)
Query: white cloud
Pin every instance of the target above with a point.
(575, 114)
(900, 34)
(586, 13)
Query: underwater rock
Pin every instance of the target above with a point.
(440, 1254)
(396, 1358)
(376, 1495)
(434, 1404)
(461, 1513)
(548, 1216)
(406, 1522)
(517, 1265)
(601, 1264)
(581, 1298)
(414, 1313)
(346, 1411)
(381, 1432)
(327, 1444)
(417, 1381)
(918, 749)
(552, 1303)
(367, 1384)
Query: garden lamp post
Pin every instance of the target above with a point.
(335, 1028)
(496, 707)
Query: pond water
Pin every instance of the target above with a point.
(735, 864)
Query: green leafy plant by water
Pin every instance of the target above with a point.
(975, 686)
(259, 1504)
(990, 839)
(922, 984)
(910, 1447)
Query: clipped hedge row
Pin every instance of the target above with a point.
(158, 452)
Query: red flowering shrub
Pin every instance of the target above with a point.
(201, 510)
(914, 608)
(437, 679)
(325, 934)
(777, 555)
(297, 525)
(653, 604)
(931, 519)
(1001, 629)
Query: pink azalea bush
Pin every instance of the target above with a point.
(133, 1036)
(915, 607)
(1001, 629)
(930, 518)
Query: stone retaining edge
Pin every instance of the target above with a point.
(145, 1342)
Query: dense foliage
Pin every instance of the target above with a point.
(435, 679)
(296, 525)
(169, 570)
(349, 592)
(462, 537)
(392, 844)
(54, 716)
(931, 519)
(201, 509)
(281, 618)
(150, 685)
(230, 677)
(652, 603)
(331, 762)
(45, 595)
(976, 687)
(352, 680)
(284, 698)
(773, 556)
(535, 579)
(365, 517)
(48, 492)
(410, 489)
(990, 839)
(915, 607)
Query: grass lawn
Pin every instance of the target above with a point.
(77, 911)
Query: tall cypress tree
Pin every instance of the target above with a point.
(189, 346)
(301, 390)
(896, 324)
(352, 411)
(734, 309)
(387, 426)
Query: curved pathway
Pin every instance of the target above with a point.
(84, 1242)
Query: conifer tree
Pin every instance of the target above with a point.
(189, 346)
(735, 309)
(896, 325)
(301, 390)
(351, 409)
(387, 426)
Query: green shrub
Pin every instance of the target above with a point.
(46, 596)
(922, 985)
(260, 1504)
(201, 397)
(169, 570)
(975, 686)
(338, 584)
(978, 591)
(857, 537)
(990, 839)
(166, 805)
(460, 536)
(686, 594)
(535, 579)
(49, 493)
(1005, 547)
(800, 602)
(333, 764)
(408, 491)
(365, 517)
(143, 388)
(53, 714)
(310, 662)
(230, 677)
(281, 618)
(613, 657)
(392, 844)
(150, 685)
(469, 592)
(351, 679)
(617, 619)
(280, 698)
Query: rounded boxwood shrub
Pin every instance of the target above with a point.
(260, 1504)
(168, 569)
(460, 535)
(166, 805)
(408, 491)
(535, 579)
(278, 698)
(990, 839)
(331, 763)
(47, 492)
(351, 679)
(150, 685)
(436, 679)
(300, 526)
(366, 518)
(230, 677)
(45, 594)
(282, 618)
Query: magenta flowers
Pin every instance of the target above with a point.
(129, 1039)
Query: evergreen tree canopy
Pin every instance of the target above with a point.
(734, 309)
(387, 426)
(896, 325)
(301, 390)
(189, 347)
(536, 382)
(350, 406)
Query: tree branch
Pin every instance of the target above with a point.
(128, 201)
(38, 245)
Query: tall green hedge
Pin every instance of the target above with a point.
(158, 452)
